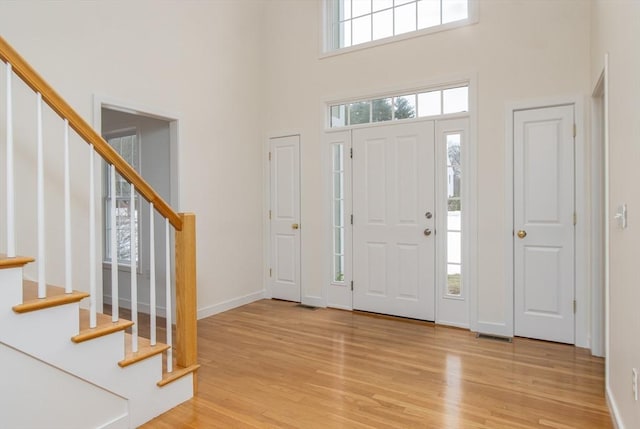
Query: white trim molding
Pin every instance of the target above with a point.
(230, 304)
(613, 409)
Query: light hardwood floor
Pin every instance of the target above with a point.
(273, 364)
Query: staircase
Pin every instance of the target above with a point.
(67, 364)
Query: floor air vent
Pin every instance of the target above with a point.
(494, 337)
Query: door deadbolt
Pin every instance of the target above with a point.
(428, 215)
(295, 226)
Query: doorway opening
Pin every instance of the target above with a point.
(148, 142)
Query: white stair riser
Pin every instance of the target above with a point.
(10, 286)
(153, 400)
(47, 330)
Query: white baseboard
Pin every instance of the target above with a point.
(613, 410)
(230, 304)
(143, 307)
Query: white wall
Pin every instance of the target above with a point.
(615, 31)
(202, 60)
(520, 50)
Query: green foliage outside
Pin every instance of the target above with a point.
(453, 284)
(380, 110)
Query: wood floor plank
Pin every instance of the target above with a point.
(273, 364)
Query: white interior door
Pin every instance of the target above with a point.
(285, 218)
(544, 223)
(393, 237)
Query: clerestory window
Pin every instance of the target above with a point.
(356, 22)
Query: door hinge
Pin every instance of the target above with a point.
(269, 214)
(351, 219)
(270, 272)
(575, 306)
(351, 284)
(351, 153)
(269, 156)
(575, 219)
(575, 131)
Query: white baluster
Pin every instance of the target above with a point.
(92, 241)
(168, 295)
(134, 272)
(11, 228)
(114, 248)
(42, 286)
(68, 280)
(152, 276)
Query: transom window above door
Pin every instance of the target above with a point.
(433, 102)
(356, 22)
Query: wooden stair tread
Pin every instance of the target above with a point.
(145, 350)
(17, 261)
(104, 326)
(178, 372)
(55, 296)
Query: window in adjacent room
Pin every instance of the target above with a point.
(128, 146)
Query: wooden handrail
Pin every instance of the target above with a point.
(22, 69)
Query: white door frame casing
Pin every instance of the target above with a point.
(599, 204)
(582, 228)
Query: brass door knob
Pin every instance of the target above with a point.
(295, 226)
(522, 233)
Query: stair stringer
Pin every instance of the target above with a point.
(46, 335)
(36, 393)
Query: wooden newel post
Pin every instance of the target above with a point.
(186, 294)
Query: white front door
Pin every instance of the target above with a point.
(543, 237)
(285, 217)
(394, 219)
